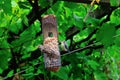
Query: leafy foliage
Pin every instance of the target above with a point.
(115, 2)
(106, 33)
(94, 47)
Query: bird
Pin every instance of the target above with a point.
(64, 47)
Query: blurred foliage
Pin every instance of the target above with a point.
(19, 41)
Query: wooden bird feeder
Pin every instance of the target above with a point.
(52, 58)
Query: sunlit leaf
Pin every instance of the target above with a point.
(115, 17)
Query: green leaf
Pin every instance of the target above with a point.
(115, 17)
(37, 26)
(25, 36)
(16, 25)
(93, 21)
(62, 73)
(4, 43)
(105, 34)
(25, 20)
(24, 5)
(44, 3)
(7, 7)
(10, 73)
(56, 8)
(113, 53)
(1, 31)
(115, 2)
(117, 38)
(4, 20)
(99, 76)
(78, 21)
(94, 65)
(96, 54)
(67, 12)
(1, 70)
(25, 56)
(4, 57)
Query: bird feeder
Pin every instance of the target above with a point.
(50, 46)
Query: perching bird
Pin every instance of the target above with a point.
(64, 46)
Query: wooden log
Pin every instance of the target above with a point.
(50, 46)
